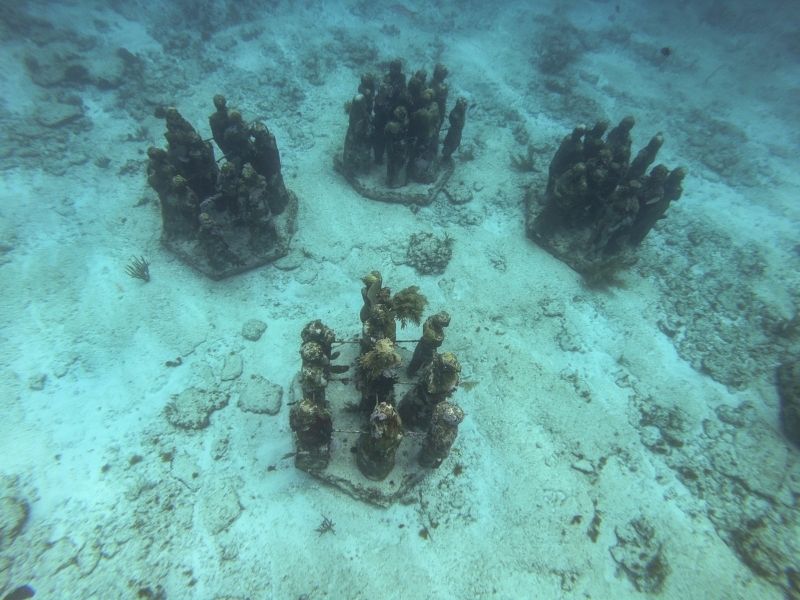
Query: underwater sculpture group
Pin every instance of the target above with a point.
(597, 207)
(370, 404)
(221, 220)
(398, 123)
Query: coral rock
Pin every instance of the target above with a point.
(789, 391)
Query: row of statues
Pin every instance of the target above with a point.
(425, 409)
(599, 204)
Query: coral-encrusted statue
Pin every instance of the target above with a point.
(437, 382)
(224, 220)
(312, 425)
(432, 338)
(377, 446)
(310, 419)
(316, 354)
(599, 205)
(376, 313)
(441, 434)
(317, 331)
(381, 310)
(457, 118)
(399, 123)
(377, 374)
(315, 371)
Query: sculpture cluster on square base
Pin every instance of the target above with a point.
(224, 219)
(375, 433)
(392, 150)
(599, 204)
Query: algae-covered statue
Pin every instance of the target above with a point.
(317, 355)
(226, 219)
(393, 149)
(442, 433)
(599, 204)
(312, 426)
(310, 417)
(377, 373)
(381, 310)
(432, 338)
(377, 446)
(437, 382)
(379, 362)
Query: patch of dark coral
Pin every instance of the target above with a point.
(788, 375)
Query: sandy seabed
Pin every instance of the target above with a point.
(619, 441)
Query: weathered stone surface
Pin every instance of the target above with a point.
(65, 65)
(57, 114)
(185, 469)
(253, 329)
(261, 396)
(192, 408)
(429, 254)
(220, 506)
(232, 368)
(60, 554)
(640, 555)
(290, 262)
(221, 447)
(13, 516)
(743, 473)
(37, 382)
(713, 309)
(789, 391)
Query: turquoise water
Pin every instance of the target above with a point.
(624, 431)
